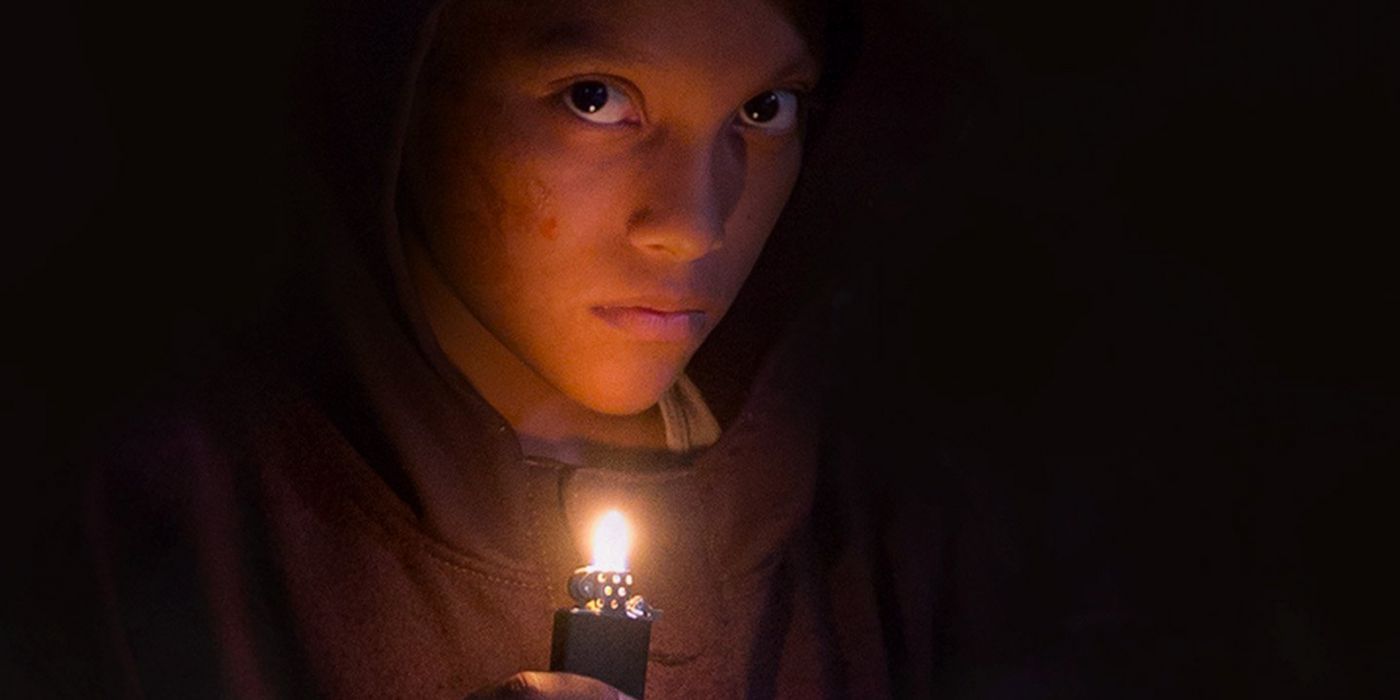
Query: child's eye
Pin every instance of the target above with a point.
(775, 111)
(600, 103)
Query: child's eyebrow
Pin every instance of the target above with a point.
(579, 39)
(802, 67)
(575, 39)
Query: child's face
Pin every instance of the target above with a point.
(597, 178)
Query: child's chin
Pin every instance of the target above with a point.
(627, 396)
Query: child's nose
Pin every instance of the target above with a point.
(686, 192)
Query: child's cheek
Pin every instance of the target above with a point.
(538, 209)
(525, 216)
(549, 228)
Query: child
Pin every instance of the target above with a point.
(387, 499)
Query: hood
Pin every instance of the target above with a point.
(365, 347)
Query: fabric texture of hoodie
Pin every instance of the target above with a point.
(337, 513)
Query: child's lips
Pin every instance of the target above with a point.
(652, 324)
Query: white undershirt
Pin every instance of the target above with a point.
(689, 423)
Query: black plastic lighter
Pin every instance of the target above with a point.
(606, 635)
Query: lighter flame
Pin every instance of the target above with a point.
(611, 540)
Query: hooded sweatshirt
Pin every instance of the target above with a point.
(337, 512)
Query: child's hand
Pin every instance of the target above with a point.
(539, 685)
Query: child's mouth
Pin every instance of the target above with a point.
(646, 323)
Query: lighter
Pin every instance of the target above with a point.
(606, 634)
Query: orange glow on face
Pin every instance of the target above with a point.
(594, 251)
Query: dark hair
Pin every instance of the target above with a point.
(832, 29)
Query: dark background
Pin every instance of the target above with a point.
(1138, 251)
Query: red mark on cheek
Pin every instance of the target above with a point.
(549, 228)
